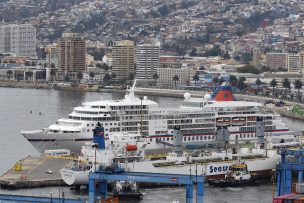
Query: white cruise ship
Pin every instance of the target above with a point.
(198, 119)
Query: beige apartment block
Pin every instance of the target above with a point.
(123, 53)
(167, 74)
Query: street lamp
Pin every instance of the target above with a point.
(141, 117)
(95, 146)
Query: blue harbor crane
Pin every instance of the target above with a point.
(291, 160)
(115, 173)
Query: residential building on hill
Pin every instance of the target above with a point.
(18, 39)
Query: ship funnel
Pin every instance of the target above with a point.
(223, 94)
(222, 134)
(177, 137)
(260, 130)
(98, 137)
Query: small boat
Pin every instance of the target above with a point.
(127, 190)
(237, 175)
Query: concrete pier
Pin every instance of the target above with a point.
(33, 173)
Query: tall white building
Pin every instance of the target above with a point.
(147, 60)
(18, 39)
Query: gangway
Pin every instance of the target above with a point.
(164, 143)
(115, 173)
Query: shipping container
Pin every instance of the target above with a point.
(300, 200)
(280, 199)
(291, 199)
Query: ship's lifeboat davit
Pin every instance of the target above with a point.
(131, 147)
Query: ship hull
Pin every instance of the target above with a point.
(47, 141)
(74, 141)
(212, 170)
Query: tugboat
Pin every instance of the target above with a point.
(238, 175)
(126, 190)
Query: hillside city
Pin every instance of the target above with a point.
(256, 46)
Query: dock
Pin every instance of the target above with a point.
(31, 172)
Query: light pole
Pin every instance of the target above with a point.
(141, 117)
(51, 196)
(95, 146)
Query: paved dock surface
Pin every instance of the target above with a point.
(33, 173)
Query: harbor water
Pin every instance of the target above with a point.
(28, 109)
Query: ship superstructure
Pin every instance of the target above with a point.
(198, 119)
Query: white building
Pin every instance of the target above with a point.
(147, 60)
(293, 62)
(166, 76)
(18, 39)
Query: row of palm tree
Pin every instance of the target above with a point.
(286, 84)
(175, 78)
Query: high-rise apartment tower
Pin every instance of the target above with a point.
(72, 53)
(123, 59)
(18, 39)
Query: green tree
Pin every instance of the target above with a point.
(193, 52)
(106, 78)
(92, 75)
(52, 73)
(105, 67)
(113, 75)
(9, 74)
(258, 82)
(79, 76)
(221, 81)
(233, 80)
(248, 69)
(196, 78)
(175, 79)
(273, 84)
(66, 78)
(265, 69)
(241, 85)
(286, 83)
(131, 76)
(216, 80)
(98, 65)
(246, 57)
(298, 85)
(155, 77)
(242, 79)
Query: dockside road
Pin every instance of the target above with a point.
(34, 172)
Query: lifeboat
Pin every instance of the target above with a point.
(131, 147)
(238, 121)
(222, 121)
